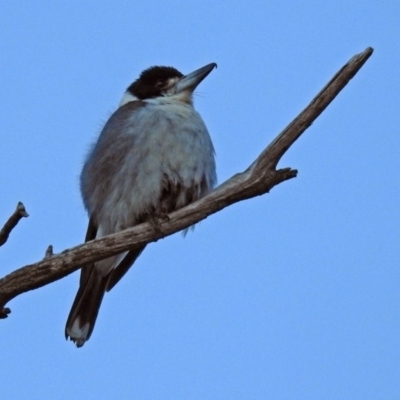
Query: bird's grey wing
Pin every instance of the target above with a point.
(104, 161)
(103, 171)
(90, 235)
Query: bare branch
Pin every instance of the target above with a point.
(258, 179)
(12, 222)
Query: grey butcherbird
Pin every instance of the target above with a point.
(153, 156)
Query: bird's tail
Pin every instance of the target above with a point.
(85, 308)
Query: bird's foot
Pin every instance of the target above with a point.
(155, 221)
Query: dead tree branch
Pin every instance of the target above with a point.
(12, 222)
(258, 179)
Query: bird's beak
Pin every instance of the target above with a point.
(192, 80)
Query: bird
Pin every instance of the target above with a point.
(153, 156)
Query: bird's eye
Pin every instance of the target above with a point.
(159, 84)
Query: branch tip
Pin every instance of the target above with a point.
(12, 222)
(21, 210)
(49, 252)
(4, 312)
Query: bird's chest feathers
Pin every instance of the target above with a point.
(169, 136)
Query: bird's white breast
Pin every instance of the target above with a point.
(168, 138)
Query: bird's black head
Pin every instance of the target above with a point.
(154, 82)
(166, 82)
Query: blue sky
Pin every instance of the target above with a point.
(292, 295)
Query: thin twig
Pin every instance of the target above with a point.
(49, 252)
(12, 222)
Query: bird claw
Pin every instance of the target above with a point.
(155, 221)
